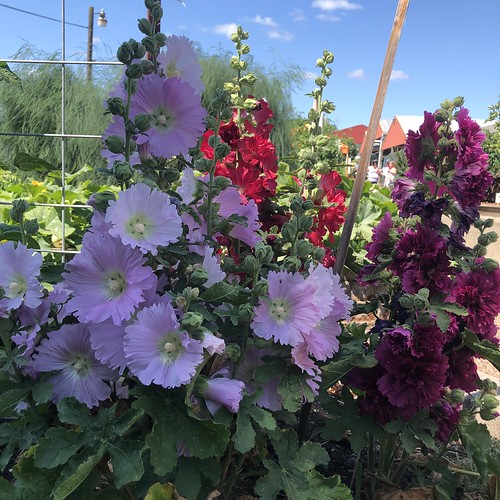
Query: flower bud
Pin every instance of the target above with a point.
(31, 227)
(406, 301)
(149, 3)
(18, 209)
(192, 320)
(139, 52)
(263, 252)
(170, 175)
(260, 288)
(115, 144)
(235, 37)
(134, 71)
(320, 81)
(245, 49)
(122, 171)
(124, 53)
(327, 107)
(441, 115)
(250, 264)
(306, 222)
(489, 265)
(490, 401)
(248, 80)
(226, 113)
(221, 150)
(156, 11)
(143, 122)
(145, 26)
(457, 396)
(180, 301)
(487, 414)
(458, 102)
(447, 104)
(296, 205)
(148, 67)
(318, 253)
(307, 205)
(149, 43)
(130, 127)
(161, 39)
(203, 164)
(328, 57)
(116, 106)
(233, 352)
(304, 248)
(292, 264)
(198, 277)
(210, 122)
(100, 201)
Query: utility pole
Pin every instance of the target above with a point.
(90, 40)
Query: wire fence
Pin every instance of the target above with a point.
(62, 136)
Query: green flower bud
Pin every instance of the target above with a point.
(31, 227)
(221, 150)
(488, 223)
(406, 301)
(250, 264)
(483, 240)
(441, 115)
(420, 302)
(115, 144)
(487, 414)
(18, 209)
(130, 127)
(233, 352)
(210, 122)
(145, 26)
(143, 122)
(203, 164)
(292, 264)
(328, 57)
(489, 265)
(260, 288)
(457, 396)
(320, 81)
(181, 301)
(478, 224)
(235, 37)
(288, 232)
(307, 205)
(170, 175)
(248, 80)
(447, 104)
(148, 67)
(327, 107)
(134, 71)
(480, 250)
(304, 248)
(320, 63)
(116, 106)
(100, 201)
(245, 49)
(458, 102)
(490, 401)
(198, 277)
(149, 3)
(318, 254)
(139, 52)
(328, 72)
(296, 205)
(161, 39)
(125, 53)
(192, 320)
(122, 171)
(222, 182)
(156, 11)
(149, 43)
(226, 113)
(306, 222)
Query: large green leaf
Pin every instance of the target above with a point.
(28, 163)
(126, 458)
(10, 400)
(57, 446)
(486, 348)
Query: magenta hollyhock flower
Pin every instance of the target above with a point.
(421, 147)
(68, 351)
(420, 260)
(232, 203)
(478, 292)
(402, 190)
(470, 183)
(181, 61)
(415, 367)
(446, 418)
(106, 340)
(19, 270)
(143, 217)
(176, 112)
(288, 311)
(220, 391)
(157, 351)
(107, 280)
(381, 239)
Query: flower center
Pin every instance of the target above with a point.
(137, 226)
(279, 311)
(170, 347)
(80, 366)
(17, 288)
(162, 120)
(172, 71)
(115, 284)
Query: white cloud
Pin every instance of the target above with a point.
(330, 5)
(297, 15)
(398, 74)
(327, 17)
(357, 74)
(96, 40)
(225, 29)
(280, 35)
(264, 21)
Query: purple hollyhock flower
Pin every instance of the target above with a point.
(107, 280)
(19, 270)
(157, 351)
(213, 344)
(421, 147)
(462, 370)
(420, 260)
(401, 192)
(322, 342)
(288, 311)
(415, 367)
(470, 183)
(382, 240)
(220, 391)
(211, 264)
(478, 292)
(180, 61)
(232, 203)
(462, 218)
(430, 211)
(188, 186)
(68, 351)
(106, 340)
(446, 418)
(176, 112)
(469, 137)
(143, 217)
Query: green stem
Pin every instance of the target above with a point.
(23, 232)
(234, 476)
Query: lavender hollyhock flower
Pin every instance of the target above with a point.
(19, 269)
(68, 351)
(157, 351)
(107, 280)
(176, 112)
(180, 61)
(288, 311)
(211, 264)
(106, 339)
(213, 344)
(144, 218)
(220, 391)
(188, 186)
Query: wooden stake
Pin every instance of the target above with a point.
(378, 105)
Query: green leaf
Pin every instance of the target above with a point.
(327, 487)
(41, 392)
(10, 400)
(125, 421)
(28, 163)
(32, 482)
(161, 492)
(476, 440)
(221, 292)
(292, 472)
(244, 437)
(77, 470)
(8, 76)
(126, 458)
(57, 446)
(73, 412)
(486, 348)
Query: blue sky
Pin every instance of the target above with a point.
(448, 47)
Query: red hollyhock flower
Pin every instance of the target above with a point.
(331, 217)
(328, 183)
(258, 151)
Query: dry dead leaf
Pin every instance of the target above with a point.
(410, 494)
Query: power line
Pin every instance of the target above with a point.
(41, 15)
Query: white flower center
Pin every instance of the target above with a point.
(137, 226)
(81, 366)
(279, 311)
(17, 288)
(114, 284)
(162, 120)
(170, 347)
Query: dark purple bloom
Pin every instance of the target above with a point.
(446, 418)
(470, 183)
(382, 241)
(469, 137)
(430, 211)
(462, 370)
